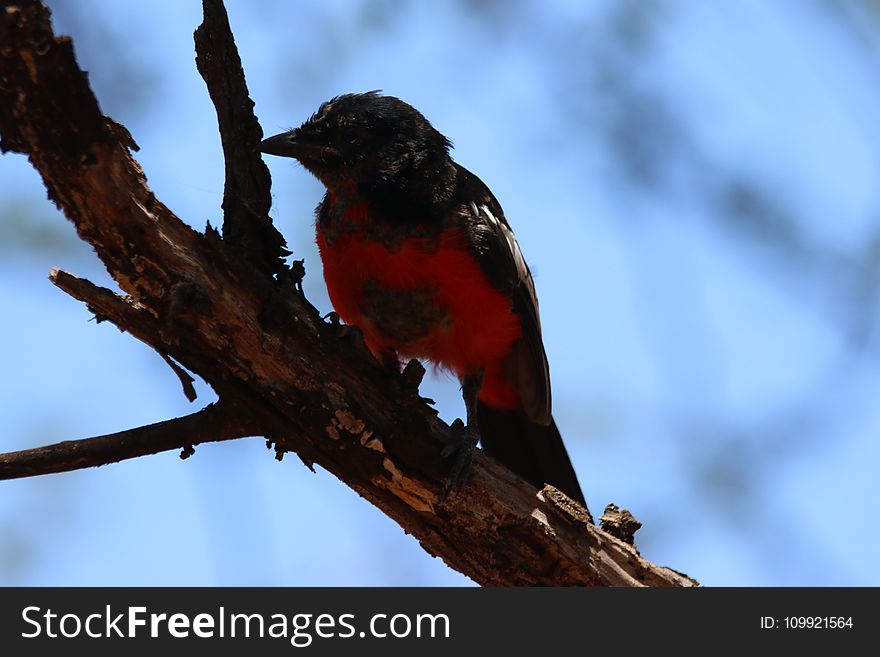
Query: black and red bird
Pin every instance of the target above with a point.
(418, 255)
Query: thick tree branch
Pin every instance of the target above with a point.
(246, 197)
(261, 345)
(214, 423)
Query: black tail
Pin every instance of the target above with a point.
(534, 451)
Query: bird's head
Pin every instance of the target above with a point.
(379, 144)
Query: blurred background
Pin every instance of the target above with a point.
(694, 185)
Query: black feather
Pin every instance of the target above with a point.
(534, 451)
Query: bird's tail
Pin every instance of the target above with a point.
(534, 451)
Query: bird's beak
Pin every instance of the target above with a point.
(284, 145)
(292, 144)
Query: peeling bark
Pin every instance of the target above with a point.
(230, 310)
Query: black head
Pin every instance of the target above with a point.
(379, 144)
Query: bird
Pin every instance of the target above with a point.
(418, 255)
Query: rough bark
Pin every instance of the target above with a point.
(232, 311)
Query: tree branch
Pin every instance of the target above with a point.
(246, 197)
(256, 340)
(125, 313)
(214, 423)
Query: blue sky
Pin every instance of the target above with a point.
(694, 186)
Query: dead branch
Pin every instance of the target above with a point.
(213, 423)
(230, 310)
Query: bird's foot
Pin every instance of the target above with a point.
(462, 447)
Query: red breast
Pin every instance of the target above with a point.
(483, 326)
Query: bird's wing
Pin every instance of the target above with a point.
(498, 253)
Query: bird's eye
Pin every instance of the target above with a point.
(351, 135)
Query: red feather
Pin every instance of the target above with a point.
(483, 328)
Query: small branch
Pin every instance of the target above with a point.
(186, 381)
(214, 423)
(125, 313)
(246, 197)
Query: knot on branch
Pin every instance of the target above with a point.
(620, 523)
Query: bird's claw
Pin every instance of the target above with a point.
(463, 447)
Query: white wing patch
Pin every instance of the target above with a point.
(522, 269)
